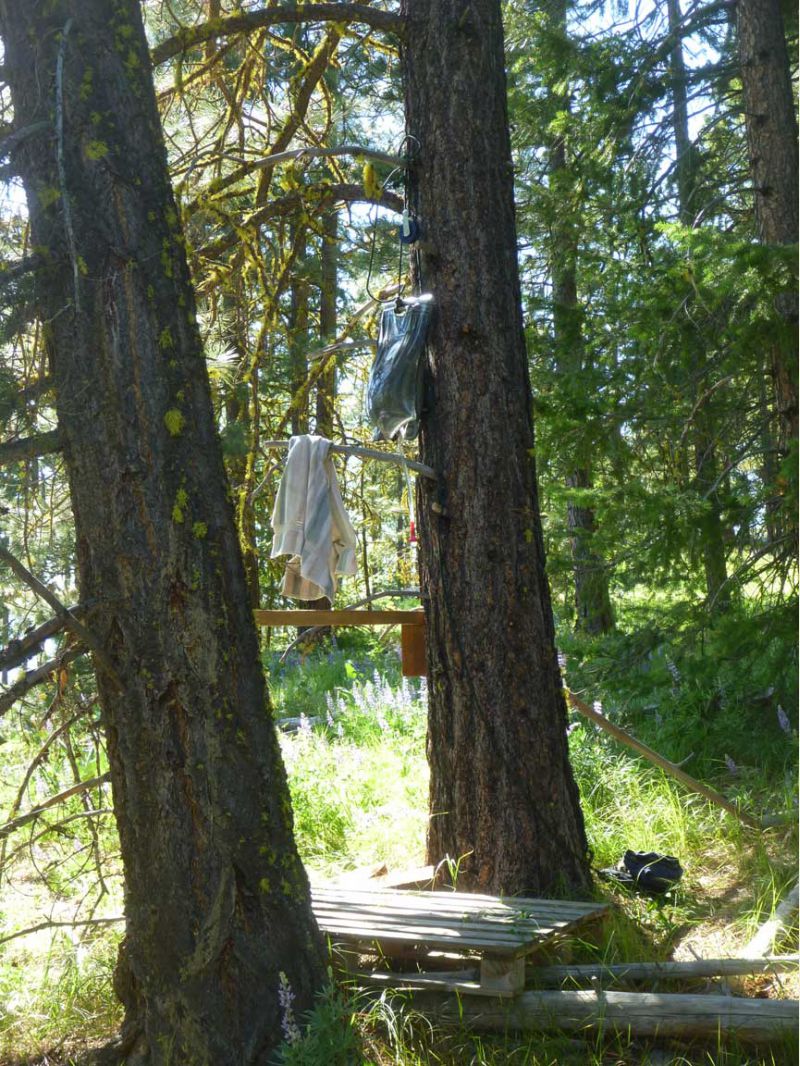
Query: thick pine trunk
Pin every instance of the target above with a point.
(502, 795)
(772, 141)
(217, 901)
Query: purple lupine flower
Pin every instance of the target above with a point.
(291, 1033)
(562, 660)
(783, 721)
(674, 672)
(305, 725)
(733, 769)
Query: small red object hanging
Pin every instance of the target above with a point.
(412, 532)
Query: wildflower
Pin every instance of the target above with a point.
(339, 730)
(329, 719)
(733, 769)
(291, 1033)
(597, 707)
(783, 721)
(562, 660)
(674, 672)
(572, 727)
(305, 725)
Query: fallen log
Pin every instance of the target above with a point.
(776, 926)
(646, 971)
(629, 1013)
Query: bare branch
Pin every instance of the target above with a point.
(12, 451)
(53, 801)
(11, 271)
(191, 36)
(25, 646)
(60, 925)
(322, 153)
(279, 208)
(14, 139)
(71, 622)
(35, 677)
(366, 453)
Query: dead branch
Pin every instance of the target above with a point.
(12, 451)
(322, 153)
(70, 621)
(776, 926)
(61, 925)
(32, 678)
(675, 771)
(25, 646)
(53, 801)
(54, 827)
(366, 453)
(12, 271)
(284, 205)
(191, 36)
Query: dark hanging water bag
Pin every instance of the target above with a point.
(394, 390)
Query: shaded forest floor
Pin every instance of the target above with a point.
(358, 774)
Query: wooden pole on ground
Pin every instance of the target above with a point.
(630, 1013)
(658, 760)
(778, 924)
(643, 971)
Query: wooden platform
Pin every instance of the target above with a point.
(487, 935)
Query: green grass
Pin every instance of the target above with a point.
(358, 778)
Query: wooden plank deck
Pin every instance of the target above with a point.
(414, 924)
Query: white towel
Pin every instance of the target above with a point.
(310, 522)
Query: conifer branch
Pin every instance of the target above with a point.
(191, 36)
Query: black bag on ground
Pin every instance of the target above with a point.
(647, 871)
(394, 390)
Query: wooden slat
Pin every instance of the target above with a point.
(378, 924)
(429, 931)
(469, 900)
(433, 982)
(510, 918)
(445, 939)
(447, 904)
(374, 920)
(338, 618)
(444, 920)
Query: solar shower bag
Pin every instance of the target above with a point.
(394, 390)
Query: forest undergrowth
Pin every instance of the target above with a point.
(722, 701)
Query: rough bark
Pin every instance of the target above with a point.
(503, 799)
(772, 142)
(216, 897)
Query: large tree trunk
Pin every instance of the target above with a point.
(502, 795)
(772, 141)
(217, 901)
